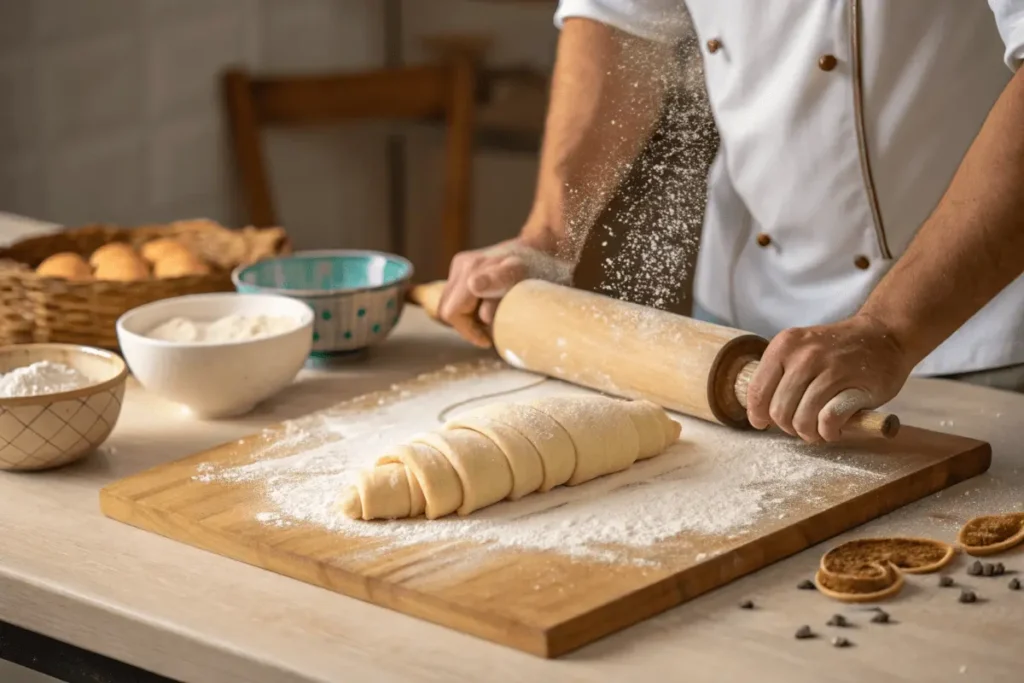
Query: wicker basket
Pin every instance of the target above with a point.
(46, 309)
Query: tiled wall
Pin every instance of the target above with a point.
(109, 110)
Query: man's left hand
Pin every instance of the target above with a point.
(811, 380)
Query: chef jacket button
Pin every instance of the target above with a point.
(827, 62)
(714, 45)
(862, 262)
(764, 239)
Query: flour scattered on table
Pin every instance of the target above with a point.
(709, 484)
(42, 377)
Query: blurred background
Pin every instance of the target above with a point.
(114, 111)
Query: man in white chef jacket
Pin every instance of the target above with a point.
(865, 209)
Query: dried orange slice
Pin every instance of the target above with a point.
(869, 569)
(872, 584)
(909, 555)
(991, 534)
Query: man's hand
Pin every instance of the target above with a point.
(811, 380)
(606, 98)
(479, 279)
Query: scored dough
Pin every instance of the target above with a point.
(523, 458)
(653, 425)
(482, 468)
(392, 478)
(507, 451)
(552, 442)
(597, 426)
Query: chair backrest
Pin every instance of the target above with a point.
(435, 92)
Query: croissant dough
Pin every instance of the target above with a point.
(507, 451)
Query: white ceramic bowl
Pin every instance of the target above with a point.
(216, 380)
(49, 430)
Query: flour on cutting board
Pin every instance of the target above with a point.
(713, 482)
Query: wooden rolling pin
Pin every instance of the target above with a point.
(690, 366)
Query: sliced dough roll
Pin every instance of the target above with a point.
(602, 433)
(523, 458)
(507, 451)
(416, 479)
(657, 431)
(482, 468)
(552, 442)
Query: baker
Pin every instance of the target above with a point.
(866, 207)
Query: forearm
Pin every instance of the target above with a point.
(971, 247)
(606, 97)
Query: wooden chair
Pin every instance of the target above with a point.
(446, 92)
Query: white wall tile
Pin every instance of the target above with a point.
(92, 88)
(186, 60)
(320, 34)
(21, 187)
(168, 12)
(521, 33)
(17, 26)
(339, 171)
(63, 20)
(188, 160)
(99, 180)
(19, 110)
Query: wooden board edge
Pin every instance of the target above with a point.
(499, 630)
(670, 592)
(587, 627)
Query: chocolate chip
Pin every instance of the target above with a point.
(945, 581)
(1014, 584)
(837, 620)
(806, 585)
(839, 641)
(975, 569)
(988, 569)
(967, 596)
(880, 618)
(999, 569)
(747, 604)
(804, 632)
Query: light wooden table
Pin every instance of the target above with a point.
(69, 573)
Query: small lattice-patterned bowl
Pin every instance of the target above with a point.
(49, 430)
(356, 296)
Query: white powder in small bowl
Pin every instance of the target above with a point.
(42, 377)
(230, 328)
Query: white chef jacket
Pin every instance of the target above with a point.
(842, 123)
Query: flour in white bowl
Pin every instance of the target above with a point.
(42, 377)
(230, 328)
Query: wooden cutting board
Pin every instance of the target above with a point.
(545, 599)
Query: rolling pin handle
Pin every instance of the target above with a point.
(863, 423)
(427, 296)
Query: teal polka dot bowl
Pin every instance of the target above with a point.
(356, 296)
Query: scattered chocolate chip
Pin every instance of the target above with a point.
(806, 585)
(804, 632)
(837, 620)
(988, 569)
(967, 596)
(1014, 584)
(839, 641)
(945, 581)
(880, 618)
(747, 604)
(975, 569)
(999, 569)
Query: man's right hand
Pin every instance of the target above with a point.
(479, 279)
